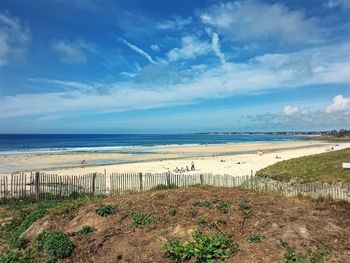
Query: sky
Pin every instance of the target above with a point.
(153, 66)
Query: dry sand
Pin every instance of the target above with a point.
(233, 159)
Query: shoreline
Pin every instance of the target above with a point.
(235, 159)
(130, 148)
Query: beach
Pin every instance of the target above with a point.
(233, 159)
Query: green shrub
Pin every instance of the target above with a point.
(255, 239)
(87, 229)
(203, 248)
(39, 240)
(207, 204)
(177, 250)
(245, 209)
(292, 255)
(12, 256)
(140, 219)
(106, 210)
(224, 207)
(21, 222)
(75, 195)
(58, 245)
(213, 225)
(203, 220)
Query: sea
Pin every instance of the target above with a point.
(128, 143)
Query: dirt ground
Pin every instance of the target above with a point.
(302, 223)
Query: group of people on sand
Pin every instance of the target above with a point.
(187, 169)
(261, 152)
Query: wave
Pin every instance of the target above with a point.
(96, 149)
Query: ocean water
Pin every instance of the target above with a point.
(37, 143)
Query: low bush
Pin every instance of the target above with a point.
(106, 210)
(12, 256)
(292, 255)
(140, 219)
(207, 204)
(224, 207)
(255, 239)
(87, 229)
(246, 209)
(20, 223)
(202, 248)
(58, 245)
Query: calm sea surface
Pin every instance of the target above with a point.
(32, 143)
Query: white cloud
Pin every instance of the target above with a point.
(155, 47)
(255, 20)
(339, 103)
(215, 44)
(290, 110)
(176, 23)
(326, 65)
(69, 51)
(14, 38)
(191, 47)
(338, 3)
(137, 50)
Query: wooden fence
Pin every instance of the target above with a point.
(45, 186)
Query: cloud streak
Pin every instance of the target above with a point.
(14, 38)
(138, 50)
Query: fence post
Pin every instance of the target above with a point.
(141, 182)
(37, 185)
(201, 178)
(94, 182)
(168, 179)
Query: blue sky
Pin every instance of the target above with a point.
(147, 66)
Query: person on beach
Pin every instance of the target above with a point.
(192, 166)
(187, 169)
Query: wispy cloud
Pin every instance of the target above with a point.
(255, 20)
(138, 50)
(338, 3)
(70, 85)
(329, 65)
(14, 38)
(70, 51)
(177, 23)
(155, 47)
(215, 44)
(191, 47)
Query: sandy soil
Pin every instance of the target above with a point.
(301, 223)
(234, 159)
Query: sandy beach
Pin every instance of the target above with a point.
(233, 159)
